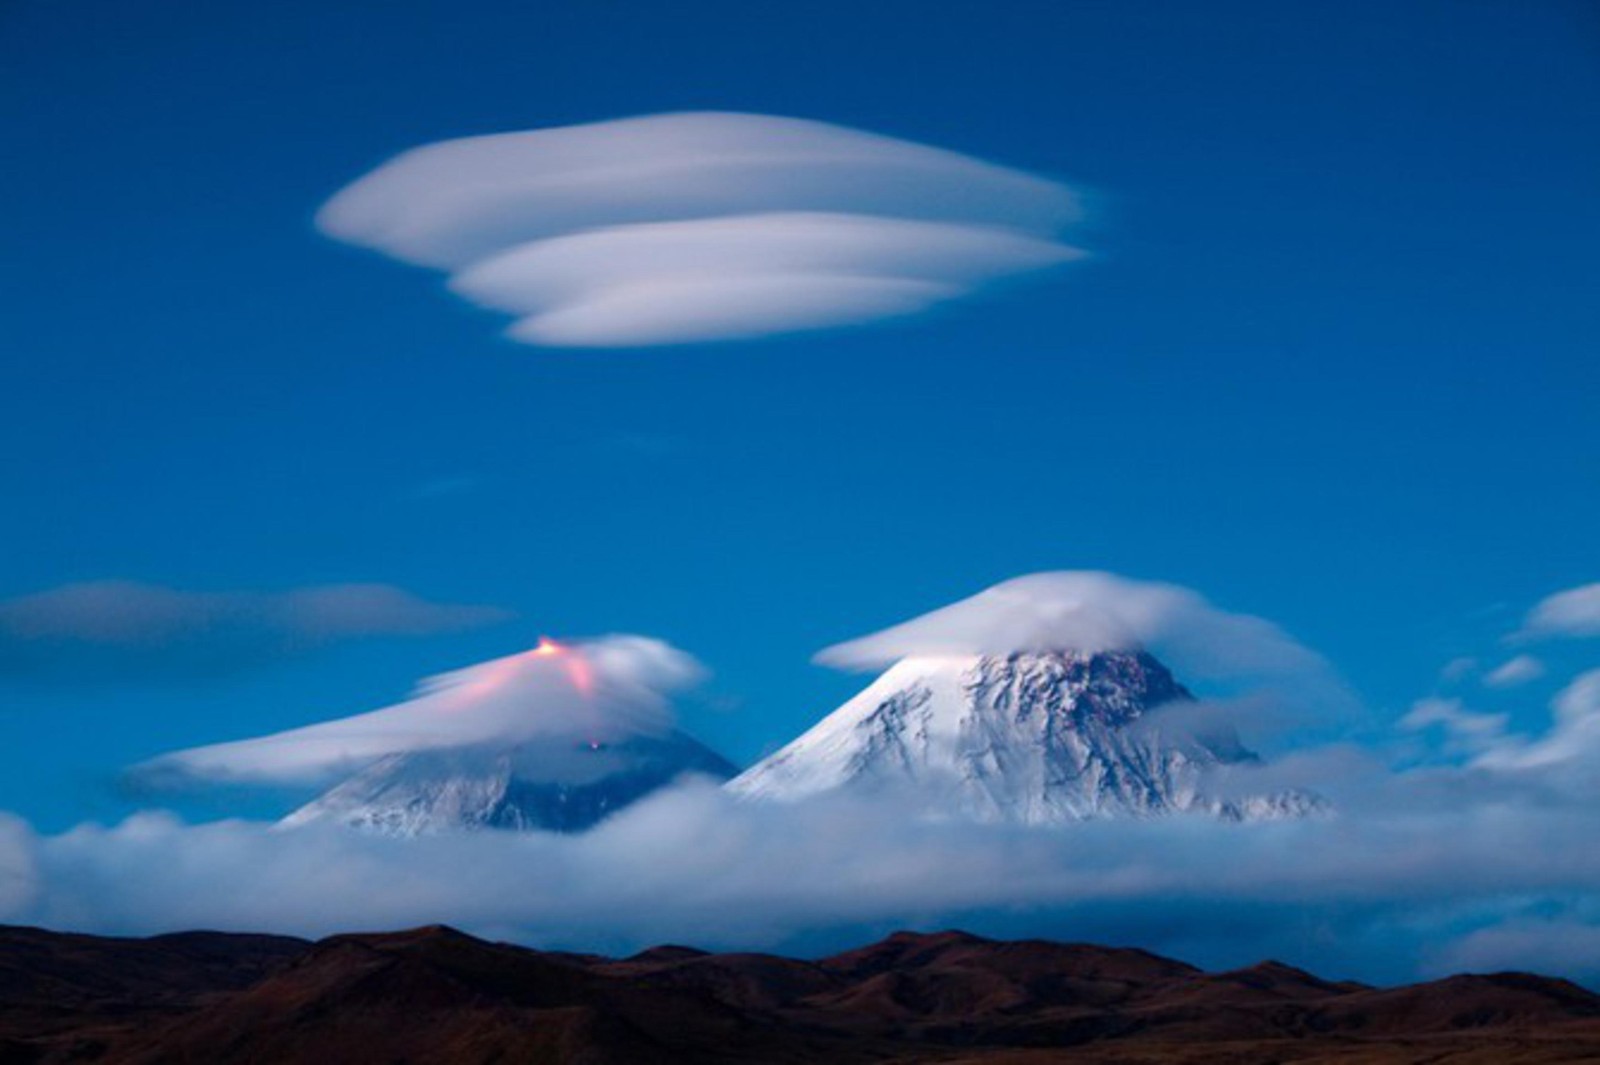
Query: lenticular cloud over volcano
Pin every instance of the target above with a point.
(594, 691)
(1088, 611)
(702, 226)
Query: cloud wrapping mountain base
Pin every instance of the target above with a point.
(1415, 884)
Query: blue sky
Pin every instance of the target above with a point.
(1332, 361)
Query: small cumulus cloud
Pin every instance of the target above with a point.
(1519, 670)
(702, 226)
(128, 630)
(1571, 613)
(597, 691)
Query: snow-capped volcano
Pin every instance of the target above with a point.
(1032, 737)
(562, 784)
(555, 737)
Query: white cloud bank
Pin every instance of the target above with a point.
(598, 691)
(1412, 864)
(702, 226)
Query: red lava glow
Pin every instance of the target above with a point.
(580, 674)
(494, 676)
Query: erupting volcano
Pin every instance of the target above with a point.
(576, 736)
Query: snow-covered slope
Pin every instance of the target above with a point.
(1035, 737)
(559, 784)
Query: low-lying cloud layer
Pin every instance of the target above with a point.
(598, 691)
(702, 226)
(127, 630)
(1421, 873)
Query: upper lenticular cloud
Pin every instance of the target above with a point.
(689, 227)
(595, 691)
(1089, 611)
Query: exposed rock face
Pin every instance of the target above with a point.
(1034, 738)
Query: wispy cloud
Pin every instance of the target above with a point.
(1464, 730)
(127, 630)
(1573, 741)
(1515, 671)
(702, 226)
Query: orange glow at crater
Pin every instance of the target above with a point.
(573, 664)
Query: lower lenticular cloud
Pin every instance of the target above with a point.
(691, 227)
(597, 690)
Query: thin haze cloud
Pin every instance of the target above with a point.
(129, 630)
(702, 226)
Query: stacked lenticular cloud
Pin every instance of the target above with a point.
(703, 226)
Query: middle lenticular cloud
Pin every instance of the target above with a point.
(692, 227)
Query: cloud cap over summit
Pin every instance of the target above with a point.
(1088, 611)
(596, 691)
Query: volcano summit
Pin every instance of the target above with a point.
(1031, 737)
